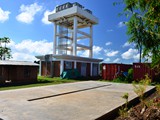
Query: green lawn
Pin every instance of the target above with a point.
(42, 81)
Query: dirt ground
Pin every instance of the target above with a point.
(148, 111)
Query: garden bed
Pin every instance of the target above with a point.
(149, 111)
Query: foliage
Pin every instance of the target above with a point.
(140, 88)
(123, 111)
(5, 52)
(158, 89)
(121, 78)
(126, 96)
(144, 26)
(129, 77)
(156, 101)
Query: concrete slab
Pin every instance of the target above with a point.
(87, 100)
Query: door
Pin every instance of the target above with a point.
(83, 69)
(95, 69)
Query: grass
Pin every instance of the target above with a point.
(42, 81)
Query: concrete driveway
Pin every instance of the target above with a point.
(87, 100)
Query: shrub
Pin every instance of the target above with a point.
(129, 77)
(140, 88)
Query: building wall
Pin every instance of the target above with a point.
(26, 74)
(43, 68)
(46, 68)
(109, 71)
(83, 68)
(142, 69)
(18, 74)
(56, 69)
(79, 67)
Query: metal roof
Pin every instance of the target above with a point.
(20, 63)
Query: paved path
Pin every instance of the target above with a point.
(72, 101)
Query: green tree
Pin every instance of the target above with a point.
(144, 26)
(5, 52)
(137, 35)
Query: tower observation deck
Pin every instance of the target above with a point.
(69, 21)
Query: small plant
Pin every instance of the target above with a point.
(157, 99)
(126, 96)
(140, 88)
(123, 111)
(149, 103)
(158, 89)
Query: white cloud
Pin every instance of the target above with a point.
(121, 24)
(116, 60)
(131, 54)
(11, 44)
(136, 57)
(108, 43)
(45, 17)
(28, 49)
(23, 56)
(97, 50)
(34, 46)
(4, 15)
(111, 53)
(126, 44)
(107, 60)
(28, 12)
(83, 53)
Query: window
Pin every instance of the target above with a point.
(68, 65)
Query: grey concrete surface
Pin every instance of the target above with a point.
(86, 100)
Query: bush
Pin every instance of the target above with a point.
(129, 77)
(122, 77)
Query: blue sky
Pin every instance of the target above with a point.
(25, 23)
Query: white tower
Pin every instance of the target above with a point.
(70, 23)
(73, 32)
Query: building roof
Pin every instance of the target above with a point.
(20, 63)
(69, 57)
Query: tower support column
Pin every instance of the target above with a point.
(91, 42)
(75, 36)
(61, 66)
(55, 39)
